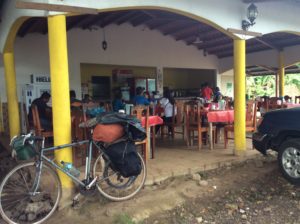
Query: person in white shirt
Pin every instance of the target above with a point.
(167, 103)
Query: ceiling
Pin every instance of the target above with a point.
(179, 27)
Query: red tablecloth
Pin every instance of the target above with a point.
(226, 116)
(291, 105)
(153, 120)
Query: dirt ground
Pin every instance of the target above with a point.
(252, 192)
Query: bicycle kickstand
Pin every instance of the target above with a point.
(76, 200)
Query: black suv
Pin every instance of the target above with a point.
(279, 130)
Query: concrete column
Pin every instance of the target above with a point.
(60, 90)
(239, 96)
(281, 73)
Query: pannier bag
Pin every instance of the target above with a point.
(23, 150)
(132, 128)
(124, 158)
(108, 133)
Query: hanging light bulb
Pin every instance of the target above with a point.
(104, 42)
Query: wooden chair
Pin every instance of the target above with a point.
(140, 112)
(78, 134)
(193, 122)
(177, 121)
(228, 102)
(272, 103)
(26, 121)
(250, 121)
(297, 99)
(39, 131)
(108, 107)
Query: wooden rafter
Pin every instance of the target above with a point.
(109, 19)
(141, 20)
(123, 18)
(272, 46)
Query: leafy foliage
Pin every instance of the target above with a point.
(265, 85)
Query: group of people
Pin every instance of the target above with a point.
(209, 94)
(45, 111)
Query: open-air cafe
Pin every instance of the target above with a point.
(197, 75)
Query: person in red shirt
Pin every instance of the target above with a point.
(206, 92)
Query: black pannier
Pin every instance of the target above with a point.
(124, 158)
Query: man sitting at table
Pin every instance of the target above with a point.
(45, 112)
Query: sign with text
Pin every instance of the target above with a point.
(40, 79)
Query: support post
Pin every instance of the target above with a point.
(239, 96)
(60, 90)
(281, 73)
(11, 93)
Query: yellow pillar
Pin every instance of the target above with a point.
(281, 73)
(11, 93)
(239, 96)
(10, 79)
(60, 90)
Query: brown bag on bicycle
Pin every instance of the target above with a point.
(108, 133)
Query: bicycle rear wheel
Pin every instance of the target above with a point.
(18, 203)
(114, 186)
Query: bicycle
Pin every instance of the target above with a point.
(30, 193)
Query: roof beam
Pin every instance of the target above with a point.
(173, 27)
(272, 46)
(124, 18)
(218, 47)
(145, 18)
(181, 34)
(109, 19)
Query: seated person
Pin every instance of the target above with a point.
(45, 112)
(140, 99)
(167, 104)
(118, 103)
(93, 112)
(86, 98)
(287, 99)
(217, 95)
(74, 102)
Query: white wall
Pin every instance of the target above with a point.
(267, 58)
(127, 45)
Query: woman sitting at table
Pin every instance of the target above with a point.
(140, 99)
(167, 104)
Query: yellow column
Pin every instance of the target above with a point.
(281, 73)
(11, 93)
(239, 96)
(60, 90)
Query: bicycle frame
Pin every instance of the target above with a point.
(43, 158)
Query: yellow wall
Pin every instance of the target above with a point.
(89, 70)
(178, 78)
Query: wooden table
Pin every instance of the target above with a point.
(218, 116)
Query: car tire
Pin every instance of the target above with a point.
(289, 160)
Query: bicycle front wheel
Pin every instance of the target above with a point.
(113, 185)
(24, 199)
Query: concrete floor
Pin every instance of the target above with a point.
(174, 158)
